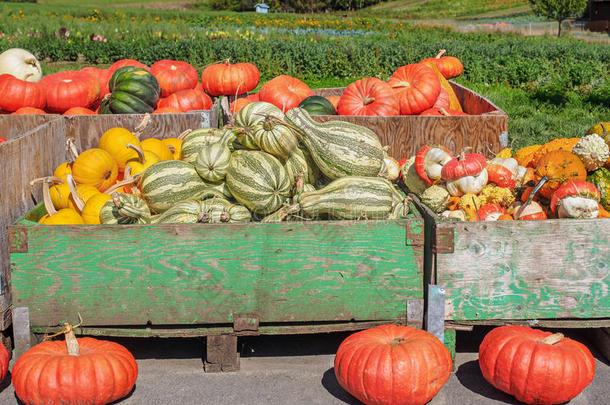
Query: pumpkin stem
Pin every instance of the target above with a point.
(440, 53)
(476, 209)
(139, 151)
(552, 339)
(72, 150)
(604, 132)
(396, 341)
(129, 179)
(68, 331)
(203, 217)
(142, 126)
(444, 112)
(78, 200)
(184, 134)
(368, 100)
(46, 196)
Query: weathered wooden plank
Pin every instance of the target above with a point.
(534, 323)
(527, 269)
(182, 331)
(485, 132)
(221, 354)
(32, 150)
(199, 274)
(86, 130)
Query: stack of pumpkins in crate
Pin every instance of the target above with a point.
(564, 178)
(265, 165)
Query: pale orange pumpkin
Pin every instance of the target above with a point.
(91, 211)
(174, 145)
(157, 147)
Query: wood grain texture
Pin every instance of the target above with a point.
(86, 130)
(202, 274)
(406, 134)
(34, 152)
(527, 269)
(13, 126)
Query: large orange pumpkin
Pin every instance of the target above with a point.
(559, 166)
(390, 364)
(226, 79)
(16, 93)
(102, 76)
(369, 96)
(284, 92)
(186, 100)
(77, 371)
(536, 367)
(125, 62)
(416, 86)
(174, 76)
(68, 89)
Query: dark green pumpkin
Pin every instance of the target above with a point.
(133, 90)
(318, 105)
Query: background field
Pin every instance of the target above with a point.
(549, 87)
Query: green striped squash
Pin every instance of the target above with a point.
(184, 212)
(196, 140)
(318, 105)
(218, 190)
(213, 160)
(338, 148)
(166, 183)
(125, 209)
(351, 197)
(275, 138)
(214, 210)
(221, 211)
(300, 162)
(257, 180)
(285, 212)
(248, 117)
(307, 188)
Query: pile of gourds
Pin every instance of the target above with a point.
(265, 166)
(564, 178)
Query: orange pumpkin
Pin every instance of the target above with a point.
(565, 144)
(238, 104)
(416, 86)
(174, 76)
(559, 166)
(175, 146)
(226, 79)
(115, 140)
(79, 111)
(65, 216)
(334, 100)
(96, 167)
(157, 147)
(186, 100)
(28, 111)
(63, 170)
(284, 92)
(91, 210)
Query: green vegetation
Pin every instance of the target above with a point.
(549, 87)
(558, 10)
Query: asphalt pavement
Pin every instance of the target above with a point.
(297, 370)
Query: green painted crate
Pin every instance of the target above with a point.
(542, 273)
(202, 279)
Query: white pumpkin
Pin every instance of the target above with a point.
(21, 64)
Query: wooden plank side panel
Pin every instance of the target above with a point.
(527, 270)
(197, 274)
(34, 153)
(484, 132)
(13, 126)
(86, 130)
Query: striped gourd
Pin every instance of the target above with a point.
(215, 210)
(184, 212)
(193, 142)
(338, 148)
(307, 188)
(213, 160)
(247, 118)
(166, 183)
(224, 211)
(273, 137)
(300, 162)
(125, 209)
(218, 190)
(284, 213)
(351, 197)
(258, 181)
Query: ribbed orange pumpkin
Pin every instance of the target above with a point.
(28, 111)
(369, 96)
(77, 371)
(536, 367)
(284, 92)
(79, 111)
(17, 93)
(559, 166)
(4, 360)
(566, 144)
(225, 79)
(68, 89)
(186, 100)
(239, 104)
(102, 76)
(390, 364)
(96, 167)
(174, 76)
(449, 66)
(416, 86)
(125, 62)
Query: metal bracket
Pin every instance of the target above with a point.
(444, 242)
(416, 238)
(21, 330)
(415, 313)
(246, 323)
(435, 312)
(18, 239)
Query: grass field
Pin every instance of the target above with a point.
(549, 87)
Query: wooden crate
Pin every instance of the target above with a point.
(551, 273)
(34, 147)
(219, 279)
(486, 131)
